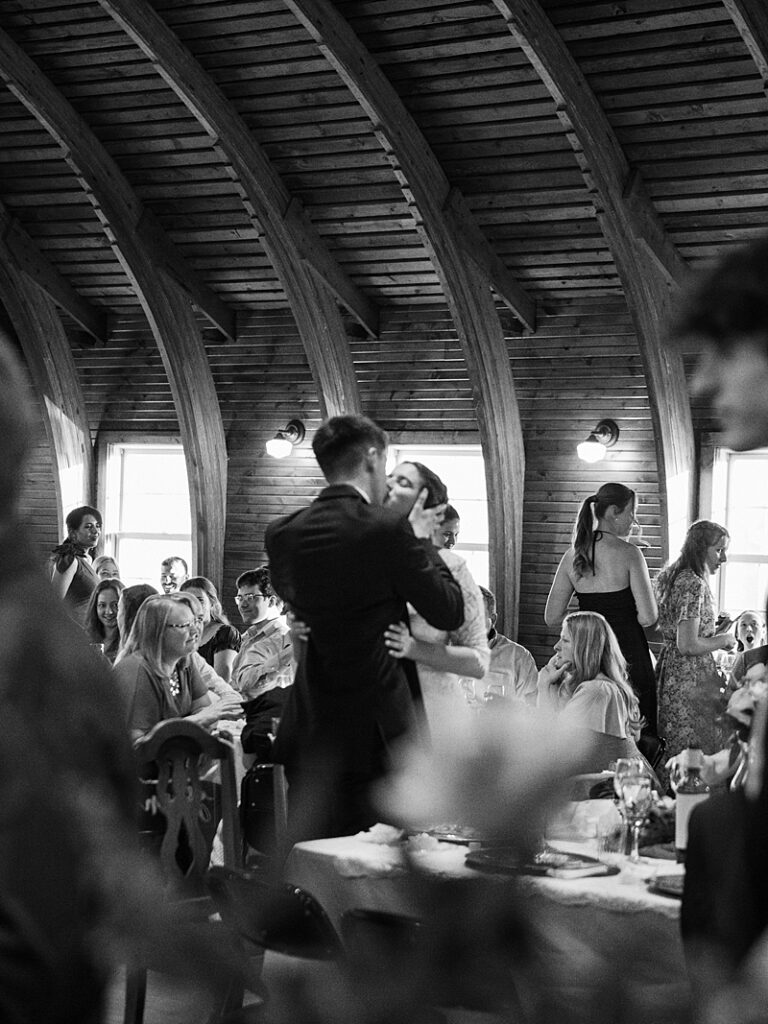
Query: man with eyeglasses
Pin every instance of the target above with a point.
(264, 660)
(346, 567)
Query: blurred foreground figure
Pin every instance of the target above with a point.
(75, 895)
(725, 909)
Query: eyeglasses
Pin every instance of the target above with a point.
(242, 598)
(184, 625)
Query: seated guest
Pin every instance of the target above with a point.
(586, 681)
(106, 568)
(215, 685)
(72, 574)
(128, 605)
(447, 533)
(511, 664)
(101, 617)
(154, 674)
(173, 572)
(219, 641)
(265, 658)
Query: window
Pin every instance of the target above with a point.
(740, 503)
(462, 469)
(144, 495)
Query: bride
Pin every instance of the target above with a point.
(444, 659)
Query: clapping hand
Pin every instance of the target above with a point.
(398, 640)
(424, 521)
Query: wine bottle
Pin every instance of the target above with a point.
(691, 790)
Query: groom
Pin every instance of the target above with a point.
(346, 567)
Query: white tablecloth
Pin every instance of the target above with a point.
(588, 928)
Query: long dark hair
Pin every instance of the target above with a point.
(701, 535)
(92, 623)
(596, 505)
(437, 492)
(204, 584)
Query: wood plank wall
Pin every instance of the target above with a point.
(414, 381)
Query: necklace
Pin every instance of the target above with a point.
(175, 683)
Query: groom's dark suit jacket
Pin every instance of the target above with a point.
(347, 568)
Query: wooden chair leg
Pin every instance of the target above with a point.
(135, 995)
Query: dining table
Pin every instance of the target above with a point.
(592, 935)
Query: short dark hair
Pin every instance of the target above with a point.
(261, 578)
(342, 442)
(489, 599)
(731, 301)
(168, 562)
(451, 514)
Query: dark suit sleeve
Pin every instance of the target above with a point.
(423, 578)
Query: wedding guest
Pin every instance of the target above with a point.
(219, 641)
(153, 673)
(72, 574)
(586, 683)
(101, 617)
(173, 572)
(610, 576)
(217, 686)
(688, 681)
(131, 599)
(106, 568)
(447, 533)
(511, 663)
(265, 658)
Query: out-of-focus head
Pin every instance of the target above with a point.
(704, 548)
(750, 630)
(725, 320)
(208, 596)
(405, 483)
(130, 601)
(106, 568)
(84, 526)
(447, 534)
(348, 447)
(173, 572)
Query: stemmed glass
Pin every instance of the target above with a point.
(637, 797)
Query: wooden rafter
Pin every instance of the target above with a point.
(28, 257)
(647, 262)
(165, 302)
(751, 19)
(298, 254)
(49, 359)
(466, 283)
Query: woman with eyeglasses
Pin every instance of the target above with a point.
(219, 640)
(155, 673)
(72, 574)
(101, 617)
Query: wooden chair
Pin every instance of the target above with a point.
(184, 755)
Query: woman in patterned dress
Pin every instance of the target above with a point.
(687, 679)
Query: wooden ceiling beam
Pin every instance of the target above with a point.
(52, 370)
(299, 256)
(166, 305)
(648, 264)
(444, 223)
(28, 257)
(751, 19)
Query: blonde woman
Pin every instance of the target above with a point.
(586, 683)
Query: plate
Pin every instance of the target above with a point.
(455, 834)
(667, 885)
(551, 864)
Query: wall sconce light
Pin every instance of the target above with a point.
(605, 435)
(282, 444)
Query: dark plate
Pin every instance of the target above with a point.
(667, 885)
(554, 864)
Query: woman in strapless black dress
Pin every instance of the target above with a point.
(610, 576)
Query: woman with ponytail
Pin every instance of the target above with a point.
(610, 576)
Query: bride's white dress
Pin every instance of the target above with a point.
(445, 704)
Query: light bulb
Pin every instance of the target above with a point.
(279, 447)
(590, 451)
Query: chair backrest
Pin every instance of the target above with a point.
(273, 915)
(188, 761)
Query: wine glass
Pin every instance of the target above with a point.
(637, 797)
